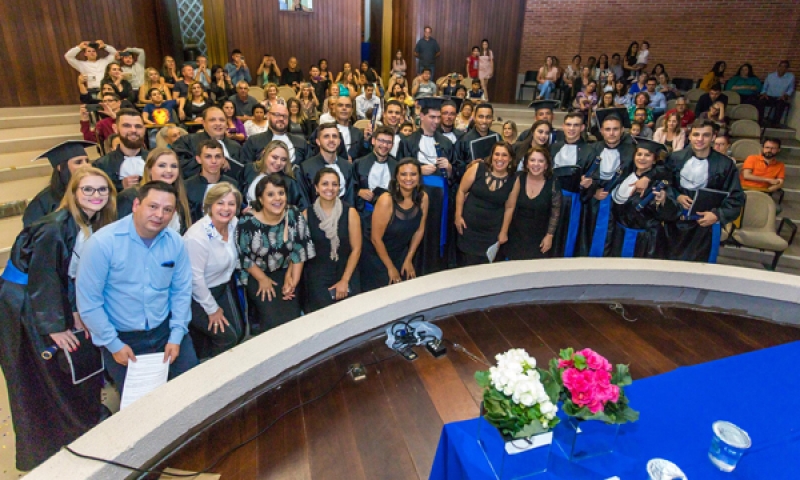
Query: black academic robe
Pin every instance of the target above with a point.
(555, 136)
(358, 146)
(294, 192)
(688, 240)
(437, 249)
(458, 133)
(308, 170)
(42, 204)
(593, 209)
(187, 148)
(254, 145)
(112, 162)
(48, 410)
(463, 154)
(196, 187)
(568, 180)
(362, 167)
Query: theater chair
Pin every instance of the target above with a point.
(733, 97)
(257, 93)
(741, 149)
(743, 112)
(745, 129)
(529, 82)
(757, 227)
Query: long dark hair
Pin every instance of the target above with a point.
(488, 47)
(273, 179)
(512, 164)
(394, 185)
(546, 153)
(739, 72)
(718, 68)
(629, 52)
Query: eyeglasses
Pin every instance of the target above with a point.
(89, 191)
(383, 141)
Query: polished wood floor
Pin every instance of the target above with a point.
(387, 426)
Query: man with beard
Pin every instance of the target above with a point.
(571, 157)
(211, 159)
(696, 238)
(278, 121)
(393, 118)
(104, 127)
(354, 143)
(65, 159)
(328, 140)
(436, 153)
(543, 111)
(134, 68)
(125, 165)
(764, 172)
(484, 116)
(214, 128)
(374, 171)
(448, 126)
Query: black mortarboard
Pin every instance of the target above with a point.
(544, 105)
(431, 102)
(455, 101)
(621, 113)
(650, 145)
(64, 151)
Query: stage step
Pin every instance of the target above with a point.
(38, 111)
(71, 118)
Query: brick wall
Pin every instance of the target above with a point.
(687, 36)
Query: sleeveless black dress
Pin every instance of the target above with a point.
(483, 214)
(320, 273)
(532, 220)
(397, 238)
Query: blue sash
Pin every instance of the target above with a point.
(439, 181)
(716, 233)
(574, 222)
(368, 207)
(14, 275)
(601, 228)
(629, 242)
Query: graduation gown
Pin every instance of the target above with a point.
(640, 233)
(254, 145)
(42, 204)
(196, 187)
(457, 133)
(308, 170)
(595, 214)
(463, 154)
(112, 162)
(358, 146)
(187, 149)
(435, 251)
(555, 136)
(568, 180)
(687, 240)
(361, 169)
(294, 193)
(37, 298)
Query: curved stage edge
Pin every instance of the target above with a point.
(158, 423)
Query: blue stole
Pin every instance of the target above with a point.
(439, 181)
(629, 241)
(601, 228)
(716, 233)
(574, 222)
(14, 275)
(368, 207)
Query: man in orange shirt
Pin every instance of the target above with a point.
(763, 172)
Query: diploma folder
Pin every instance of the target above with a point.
(86, 361)
(481, 148)
(707, 199)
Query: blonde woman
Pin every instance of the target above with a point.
(273, 159)
(271, 96)
(38, 313)
(671, 134)
(152, 79)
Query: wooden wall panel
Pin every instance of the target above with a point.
(35, 35)
(457, 26)
(332, 31)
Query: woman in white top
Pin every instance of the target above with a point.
(216, 323)
(92, 67)
(258, 124)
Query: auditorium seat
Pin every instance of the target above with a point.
(743, 148)
(529, 82)
(257, 93)
(733, 97)
(693, 95)
(757, 228)
(745, 129)
(286, 92)
(362, 124)
(743, 112)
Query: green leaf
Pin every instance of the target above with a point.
(533, 428)
(566, 353)
(483, 378)
(580, 362)
(621, 375)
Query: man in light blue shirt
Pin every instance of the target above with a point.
(237, 69)
(776, 94)
(134, 286)
(658, 102)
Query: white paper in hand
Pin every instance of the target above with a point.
(144, 375)
(491, 252)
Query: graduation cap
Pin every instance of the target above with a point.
(455, 101)
(650, 145)
(62, 152)
(434, 103)
(544, 105)
(620, 113)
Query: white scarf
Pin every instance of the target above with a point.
(330, 225)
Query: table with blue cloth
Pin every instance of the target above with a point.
(758, 391)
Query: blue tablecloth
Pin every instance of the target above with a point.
(759, 391)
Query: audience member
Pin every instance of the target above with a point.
(237, 68)
(159, 111)
(181, 88)
(570, 75)
(319, 86)
(776, 94)
(547, 77)
(671, 134)
(685, 115)
(268, 71)
(369, 76)
(476, 93)
(399, 66)
(257, 124)
(235, 128)
(473, 63)
(192, 107)
(746, 84)
(217, 324)
(170, 134)
(716, 113)
(299, 124)
(92, 67)
(271, 96)
(243, 102)
(510, 131)
(125, 165)
(764, 172)
(715, 77)
(586, 99)
(640, 85)
(221, 86)
(214, 128)
(707, 99)
(621, 95)
(427, 51)
(658, 102)
(133, 68)
(641, 101)
(485, 67)
(309, 101)
(367, 101)
(152, 80)
(722, 144)
(616, 67)
(631, 56)
(423, 86)
(323, 70)
(144, 306)
(292, 75)
(113, 77)
(202, 73)
(169, 70)
(104, 127)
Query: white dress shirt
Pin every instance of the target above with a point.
(132, 166)
(694, 174)
(609, 163)
(213, 259)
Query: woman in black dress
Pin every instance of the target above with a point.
(538, 208)
(273, 243)
(336, 232)
(398, 224)
(482, 217)
(38, 311)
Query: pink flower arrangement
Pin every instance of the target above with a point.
(590, 387)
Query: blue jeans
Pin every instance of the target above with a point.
(151, 341)
(546, 89)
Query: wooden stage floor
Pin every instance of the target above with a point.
(387, 426)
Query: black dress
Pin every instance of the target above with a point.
(42, 204)
(37, 298)
(397, 239)
(483, 213)
(533, 219)
(321, 272)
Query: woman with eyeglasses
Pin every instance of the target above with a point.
(39, 320)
